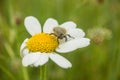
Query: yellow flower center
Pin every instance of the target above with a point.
(42, 42)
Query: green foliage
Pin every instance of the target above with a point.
(95, 62)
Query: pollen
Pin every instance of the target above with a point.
(42, 42)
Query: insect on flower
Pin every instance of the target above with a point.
(43, 43)
(60, 33)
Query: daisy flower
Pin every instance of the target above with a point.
(43, 46)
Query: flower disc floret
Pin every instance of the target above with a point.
(42, 42)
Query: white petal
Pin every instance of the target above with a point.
(73, 45)
(68, 46)
(49, 25)
(23, 50)
(68, 25)
(76, 33)
(32, 25)
(83, 42)
(61, 61)
(43, 58)
(30, 59)
(23, 44)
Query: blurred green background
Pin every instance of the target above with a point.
(100, 19)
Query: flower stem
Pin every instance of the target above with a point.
(25, 73)
(43, 72)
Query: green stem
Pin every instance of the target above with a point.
(25, 73)
(10, 11)
(9, 50)
(43, 72)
